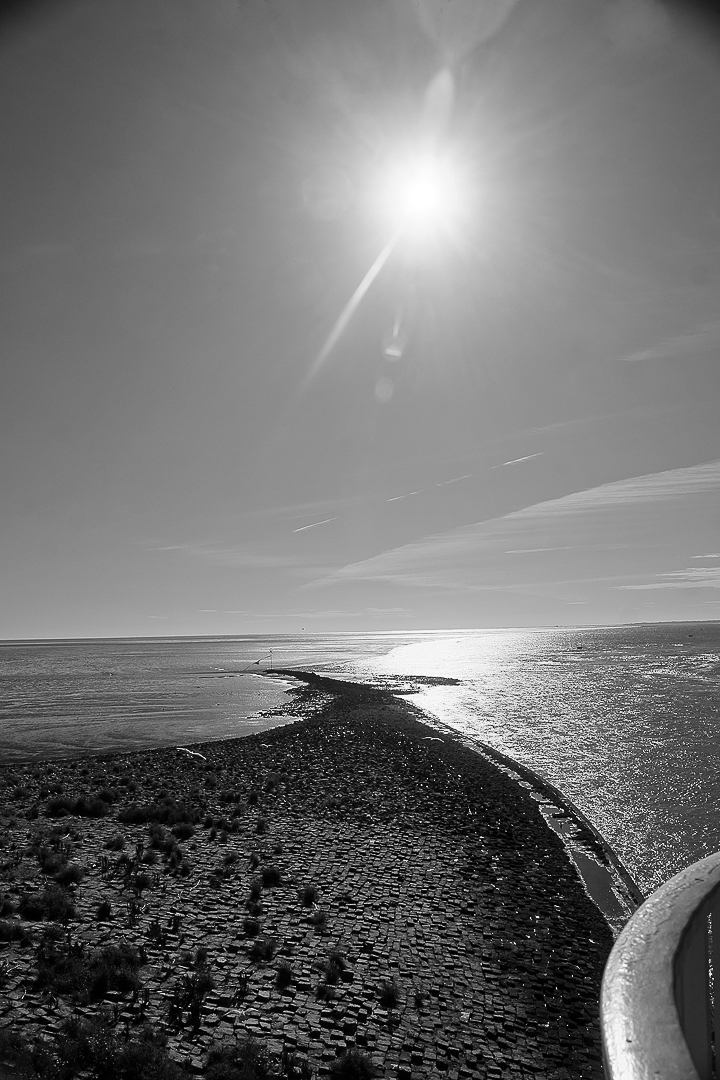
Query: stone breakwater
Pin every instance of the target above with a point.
(406, 891)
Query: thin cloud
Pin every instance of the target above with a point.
(397, 498)
(472, 556)
(713, 555)
(706, 338)
(533, 551)
(694, 577)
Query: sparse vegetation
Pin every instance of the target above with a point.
(271, 877)
(52, 903)
(104, 911)
(66, 968)
(319, 920)
(85, 806)
(244, 1059)
(263, 949)
(70, 874)
(165, 812)
(308, 895)
(10, 930)
(183, 830)
(284, 975)
(352, 1065)
(389, 995)
(90, 1049)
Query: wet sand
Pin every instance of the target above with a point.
(367, 838)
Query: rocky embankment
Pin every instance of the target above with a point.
(350, 880)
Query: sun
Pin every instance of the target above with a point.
(421, 194)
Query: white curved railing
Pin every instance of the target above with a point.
(659, 1009)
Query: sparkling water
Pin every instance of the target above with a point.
(624, 720)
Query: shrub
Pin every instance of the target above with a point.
(271, 781)
(251, 927)
(116, 842)
(134, 814)
(72, 874)
(62, 805)
(13, 931)
(165, 812)
(337, 956)
(160, 839)
(183, 830)
(263, 949)
(255, 889)
(141, 882)
(271, 876)
(252, 798)
(51, 861)
(308, 895)
(6, 905)
(319, 920)
(228, 796)
(284, 975)
(352, 1065)
(58, 807)
(244, 1059)
(67, 970)
(52, 903)
(94, 807)
(85, 1048)
(332, 973)
(104, 911)
(389, 995)
(261, 825)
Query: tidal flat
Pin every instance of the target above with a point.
(353, 893)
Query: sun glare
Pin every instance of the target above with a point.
(421, 194)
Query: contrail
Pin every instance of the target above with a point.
(352, 305)
(517, 460)
(314, 524)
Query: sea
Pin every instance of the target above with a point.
(624, 720)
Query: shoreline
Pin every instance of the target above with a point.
(434, 872)
(607, 880)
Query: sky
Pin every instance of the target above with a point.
(517, 424)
